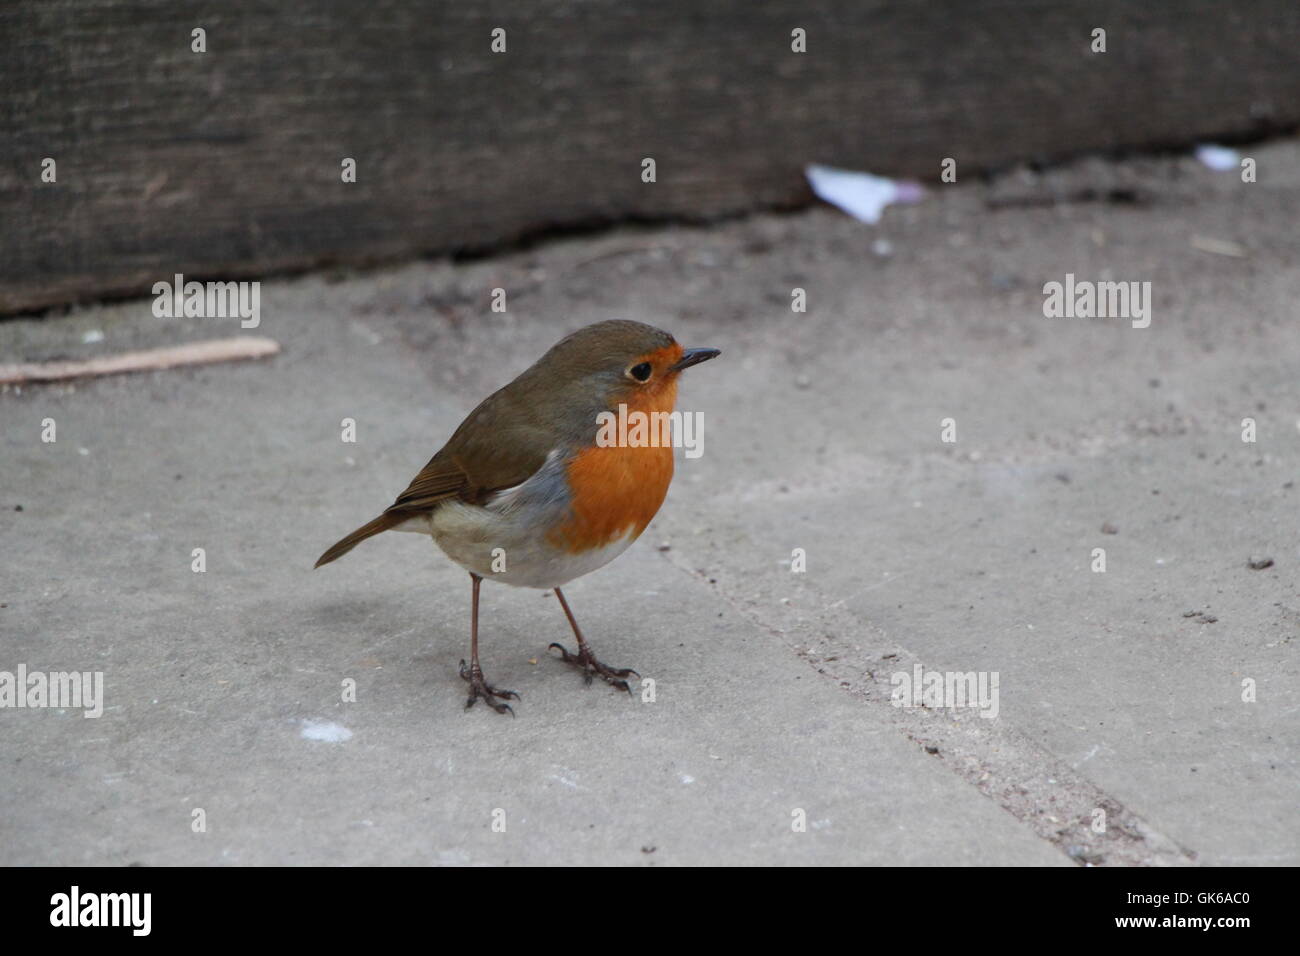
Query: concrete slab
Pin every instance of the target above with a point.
(822, 433)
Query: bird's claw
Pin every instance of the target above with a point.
(479, 689)
(586, 661)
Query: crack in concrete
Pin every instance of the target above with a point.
(1035, 787)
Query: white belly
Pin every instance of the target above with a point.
(507, 547)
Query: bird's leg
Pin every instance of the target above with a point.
(586, 660)
(479, 689)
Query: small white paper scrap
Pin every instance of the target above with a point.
(861, 195)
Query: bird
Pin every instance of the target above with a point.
(531, 491)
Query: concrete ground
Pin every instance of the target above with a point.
(1120, 692)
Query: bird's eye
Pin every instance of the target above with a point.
(641, 372)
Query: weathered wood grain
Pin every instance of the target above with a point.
(226, 164)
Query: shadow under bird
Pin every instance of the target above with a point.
(524, 473)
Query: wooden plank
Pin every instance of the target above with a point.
(226, 164)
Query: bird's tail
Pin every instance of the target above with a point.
(385, 521)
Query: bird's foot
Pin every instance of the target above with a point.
(479, 689)
(590, 667)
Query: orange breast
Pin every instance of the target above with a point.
(617, 489)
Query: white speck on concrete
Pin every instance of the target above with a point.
(568, 778)
(1218, 158)
(329, 732)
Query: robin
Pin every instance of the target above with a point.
(525, 493)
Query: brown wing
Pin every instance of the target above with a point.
(437, 481)
(500, 444)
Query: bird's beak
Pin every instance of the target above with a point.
(693, 357)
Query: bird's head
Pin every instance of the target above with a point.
(624, 362)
